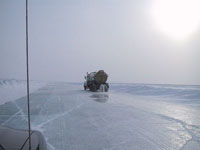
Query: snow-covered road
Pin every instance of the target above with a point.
(128, 117)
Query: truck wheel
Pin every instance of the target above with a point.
(106, 87)
(103, 88)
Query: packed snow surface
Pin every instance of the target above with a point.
(129, 116)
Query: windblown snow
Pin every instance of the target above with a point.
(129, 116)
(11, 90)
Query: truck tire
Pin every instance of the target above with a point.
(103, 88)
(107, 87)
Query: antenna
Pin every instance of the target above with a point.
(27, 75)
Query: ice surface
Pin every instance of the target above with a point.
(129, 116)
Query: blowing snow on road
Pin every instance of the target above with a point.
(129, 116)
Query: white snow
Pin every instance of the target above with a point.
(11, 90)
(129, 116)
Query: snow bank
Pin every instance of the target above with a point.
(11, 90)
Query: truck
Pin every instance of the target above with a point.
(96, 81)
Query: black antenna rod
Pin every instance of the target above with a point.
(27, 73)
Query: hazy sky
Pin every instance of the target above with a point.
(67, 38)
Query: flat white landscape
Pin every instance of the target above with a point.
(129, 116)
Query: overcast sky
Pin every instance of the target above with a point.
(67, 38)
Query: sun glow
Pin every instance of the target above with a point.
(177, 18)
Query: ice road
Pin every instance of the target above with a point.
(128, 117)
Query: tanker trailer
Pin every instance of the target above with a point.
(96, 81)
